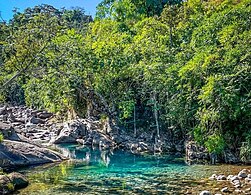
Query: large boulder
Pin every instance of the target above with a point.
(16, 154)
(71, 131)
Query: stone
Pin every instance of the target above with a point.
(221, 177)
(196, 154)
(44, 115)
(248, 180)
(18, 180)
(230, 157)
(229, 177)
(234, 178)
(243, 173)
(71, 131)
(224, 190)
(8, 131)
(213, 177)
(5, 185)
(205, 192)
(249, 176)
(34, 120)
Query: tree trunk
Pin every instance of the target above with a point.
(156, 113)
(134, 121)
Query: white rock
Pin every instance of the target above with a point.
(225, 189)
(229, 177)
(213, 177)
(221, 177)
(205, 192)
(234, 178)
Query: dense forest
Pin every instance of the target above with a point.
(176, 67)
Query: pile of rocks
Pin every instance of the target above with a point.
(240, 183)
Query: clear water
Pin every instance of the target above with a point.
(94, 172)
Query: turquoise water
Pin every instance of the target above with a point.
(117, 172)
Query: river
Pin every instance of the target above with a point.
(118, 172)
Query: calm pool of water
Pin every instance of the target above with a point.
(117, 172)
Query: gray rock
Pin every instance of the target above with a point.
(35, 120)
(8, 131)
(16, 154)
(5, 187)
(44, 115)
(196, 154)
(243, 173)
(71, 132)
(205, 192)
(18, 180)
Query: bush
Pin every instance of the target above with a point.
(215, 144)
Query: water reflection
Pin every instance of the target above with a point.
(85, 154)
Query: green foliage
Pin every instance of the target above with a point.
(215, 143)
(10, 187)
(1, 137)
(245, 150)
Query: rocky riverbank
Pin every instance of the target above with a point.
(232, 184)
(43, 128)
(39, 127)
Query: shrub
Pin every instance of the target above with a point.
(215, 144)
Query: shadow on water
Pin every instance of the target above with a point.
(91, 171)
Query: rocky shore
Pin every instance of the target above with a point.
(233, 184)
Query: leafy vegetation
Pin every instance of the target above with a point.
(1, 137)
(179, 67)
